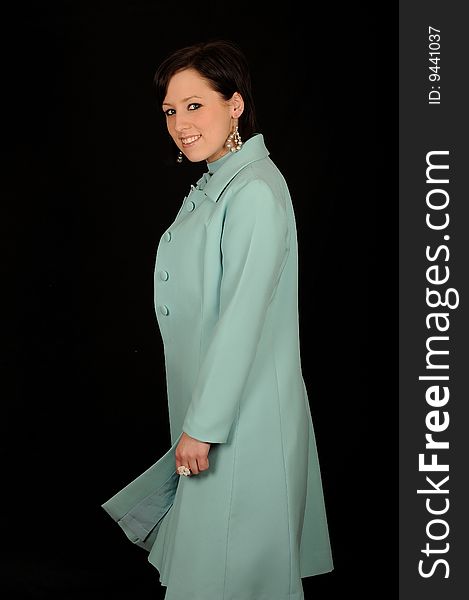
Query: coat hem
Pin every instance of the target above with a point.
(255, 596)
(294, 596)
(321, 572)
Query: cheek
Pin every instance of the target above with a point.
(205, 121)
(170, 127)
(221, 123)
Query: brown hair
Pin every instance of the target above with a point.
(223, 64)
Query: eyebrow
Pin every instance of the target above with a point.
(183, 100)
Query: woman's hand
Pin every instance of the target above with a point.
(192, 453)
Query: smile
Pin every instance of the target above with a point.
(190, 141)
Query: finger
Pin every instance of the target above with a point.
(193, 467)
(203, 464)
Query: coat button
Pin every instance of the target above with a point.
(164, 275)
(167, 236)
(190, 205)
(164, 310)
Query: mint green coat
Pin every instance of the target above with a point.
(254, 523)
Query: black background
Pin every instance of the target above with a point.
(86, 195)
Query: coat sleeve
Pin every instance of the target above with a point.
(254, 246)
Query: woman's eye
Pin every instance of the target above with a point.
(168, 112)
(194, 104)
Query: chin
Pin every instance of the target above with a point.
(196, 156)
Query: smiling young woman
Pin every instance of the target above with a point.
(235, 508)
(200, 122)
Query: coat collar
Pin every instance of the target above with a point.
(253, 149)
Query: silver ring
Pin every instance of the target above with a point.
(182, 470)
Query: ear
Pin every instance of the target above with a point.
(237, 105)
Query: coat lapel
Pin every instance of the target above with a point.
(252, 150)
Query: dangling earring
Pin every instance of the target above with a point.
(234, 142)
(179, 158)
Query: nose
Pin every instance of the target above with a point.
(181, 123)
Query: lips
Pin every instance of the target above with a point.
(189, 140)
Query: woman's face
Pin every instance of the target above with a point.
(199, 119)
